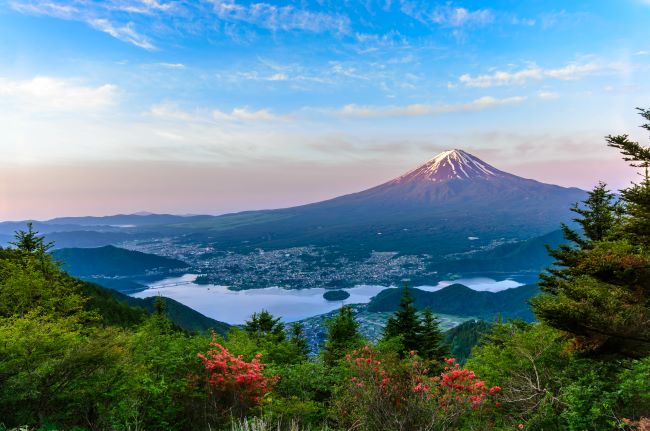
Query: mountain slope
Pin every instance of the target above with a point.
(125, 220)
(530, 255)
(432, 209)
(181, 315)
(113, 261)
(460, 300)
(116, 308)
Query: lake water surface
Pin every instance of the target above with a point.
(234, 307)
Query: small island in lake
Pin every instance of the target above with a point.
(202, 279)
(336, 295)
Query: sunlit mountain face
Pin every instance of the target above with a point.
(433, 209)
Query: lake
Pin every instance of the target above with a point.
(234, 307)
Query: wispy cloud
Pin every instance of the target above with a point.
(44, 93)
(40, 7)
(446, 15)
(572, 71)
(139, 22)
(246, 114)
(418, 110)
(276, 18)
(95, 15)
(459, 16)
(178, 66)
(125, 33)
(171, 111)
(257, 76)
(146, 7)
(547, 95)
(561, 19)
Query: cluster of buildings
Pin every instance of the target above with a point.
(293, 268)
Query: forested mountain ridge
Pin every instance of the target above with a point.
(111, 261)
(460, 300)
(430, 210)
(107, 305)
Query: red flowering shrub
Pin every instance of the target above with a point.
(386, 393)
(234, 385)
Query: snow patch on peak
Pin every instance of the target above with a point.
(450, 165)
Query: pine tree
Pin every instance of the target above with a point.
(598, 221)
(342, 336)
(263, 324)
(598, 215)
(159, 306)
(598, 294)
(298, 339)
(431, 344)
(636, 225)
(404, 323)
(30, 242)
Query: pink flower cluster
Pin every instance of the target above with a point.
(457, 384)
(365, 363)
(455, 387)
(232, 377)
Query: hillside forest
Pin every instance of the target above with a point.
(73, 356)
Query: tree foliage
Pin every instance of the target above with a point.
(408, 332)
(385, 392)
(342, 336)
(404, 323)
(599, 290)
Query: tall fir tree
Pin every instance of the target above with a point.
(597, 215)
(264, 325)
(404, 323)
(636, 224)
(598, 293)
(431, 345)
(598, 218)
(298, 339)
(342, 336)
(30, 242)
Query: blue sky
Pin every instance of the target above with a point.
(223, 105)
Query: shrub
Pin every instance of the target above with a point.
(234, 385)
(386, 393)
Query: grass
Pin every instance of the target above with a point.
(264, 424)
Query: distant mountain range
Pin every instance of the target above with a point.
(460, 300)
(126, 220)
(452, 204)
(110, 261)
(93, 231)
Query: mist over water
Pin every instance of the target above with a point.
(234, 307)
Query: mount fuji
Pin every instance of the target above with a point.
(449, 204)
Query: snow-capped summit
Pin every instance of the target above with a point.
(451, 165)
(438, 208)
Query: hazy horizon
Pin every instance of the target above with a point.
(323, 188)
(220, 106)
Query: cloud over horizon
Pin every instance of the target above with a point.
(44, 93)
(417, 110)
(570, 72)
